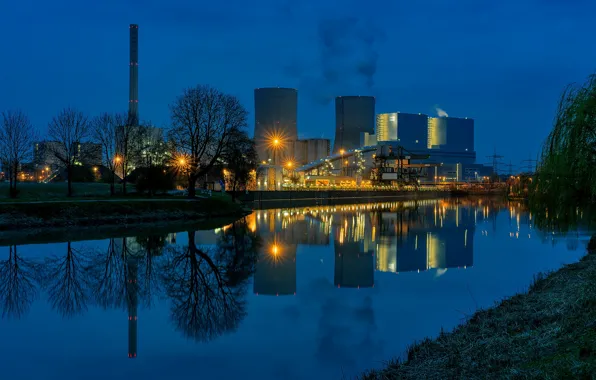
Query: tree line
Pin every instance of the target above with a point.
(207, 133)
(564, 187)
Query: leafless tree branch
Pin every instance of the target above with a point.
(68, 130)
(17, 138)
(203, 120)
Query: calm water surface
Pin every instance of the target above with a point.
(291, 293)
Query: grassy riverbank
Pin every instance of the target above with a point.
(547, 333)
(97, 212)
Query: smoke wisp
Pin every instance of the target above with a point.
(346, 63)
(441, 112)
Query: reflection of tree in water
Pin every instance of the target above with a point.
(207, 286)
(19, 279)
(108, 273)
(66, 281)
(152, 248)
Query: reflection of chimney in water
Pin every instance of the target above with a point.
(133, 302)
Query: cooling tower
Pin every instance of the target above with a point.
(276, 115)
(353, 115)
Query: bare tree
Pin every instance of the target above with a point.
(69, 128)
(240, 158)
(103, 129)
(203, 120)
(128, 145)
(16, 144)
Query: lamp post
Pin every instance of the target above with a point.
(276, 143)
(341, 152)
(116, 161)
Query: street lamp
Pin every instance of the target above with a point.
(116, 161)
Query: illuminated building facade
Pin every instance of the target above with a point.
(451, 134)
(411, 130)
(276, 116)
(353, 116)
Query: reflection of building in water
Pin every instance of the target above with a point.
(415, 240)
(406, 236)
(275, 272)
(353, 268)
(132, 303)
(292, 226)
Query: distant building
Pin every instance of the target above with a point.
(45, 154)
(300, 150)
(317, 149)
(310, 150)
(353, 116)
(147, 144)
(276, 115)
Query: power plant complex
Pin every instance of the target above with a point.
(389, 148)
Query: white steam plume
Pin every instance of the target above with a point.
(441, 112)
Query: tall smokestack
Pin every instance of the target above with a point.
(133, 98)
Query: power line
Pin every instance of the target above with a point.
(495, 161)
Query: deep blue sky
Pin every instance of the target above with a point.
(503, 63)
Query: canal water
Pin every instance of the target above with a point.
(301, 293)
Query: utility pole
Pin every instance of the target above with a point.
(531, 164)
(510, 168)
(495, 161)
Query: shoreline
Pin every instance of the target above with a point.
(46, 216)
(51, 235)
(547, 332)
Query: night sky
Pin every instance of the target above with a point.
(504, 63)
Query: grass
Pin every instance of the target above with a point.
(31, 191)
(547, 333)
(67, 213)
(56, 191)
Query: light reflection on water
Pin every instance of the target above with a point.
(329, 290)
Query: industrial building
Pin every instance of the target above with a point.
(411, 130)
(310, 150)
(354, 115)
(45, 154)
(276, 115)
(451, 134)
